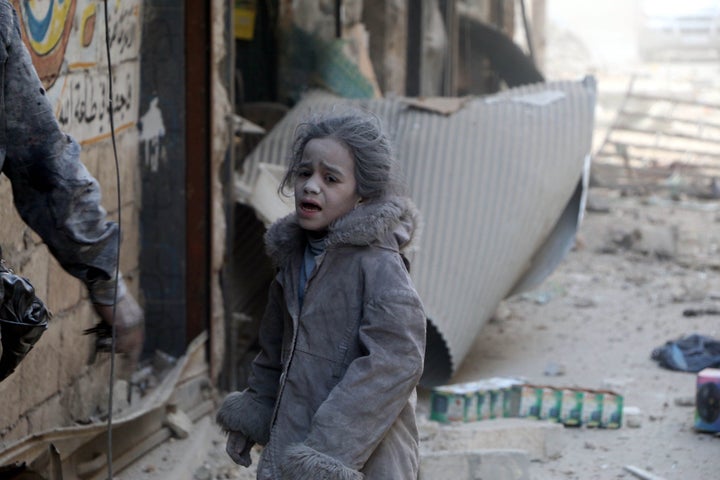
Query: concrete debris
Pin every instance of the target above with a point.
(204, 472)
(633, 417)
(687, 401)
(642, 474)
(541, 440)
(553, 369)
(476, 465)
(179, 422)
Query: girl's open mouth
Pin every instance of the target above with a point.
(310, 207)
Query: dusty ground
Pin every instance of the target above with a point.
(600, 315)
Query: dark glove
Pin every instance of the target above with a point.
(238, 447)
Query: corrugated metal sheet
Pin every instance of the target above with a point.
(497, 182)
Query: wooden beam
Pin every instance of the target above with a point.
(198, 147)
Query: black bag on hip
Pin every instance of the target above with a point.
(23, 319)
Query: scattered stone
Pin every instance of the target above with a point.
(624, 239)
(660, 241)
(616, 384)
(686, 401)
(204, 472)
(179, 422)
(597, 204)
(472, 464)
(540, 440)
(553, 369)
(121, 396)
(633, 417)
(502, 313)
(163, 361)
(584, 302)
(695, 289)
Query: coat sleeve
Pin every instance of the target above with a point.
(376, 387)
(250, 411)
(52, 190)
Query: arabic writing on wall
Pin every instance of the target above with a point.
(66, 40)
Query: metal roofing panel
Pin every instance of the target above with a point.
(497, 182)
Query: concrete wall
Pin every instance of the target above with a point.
(222, 135)
(55, 385)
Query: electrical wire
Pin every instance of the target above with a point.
(117, 265)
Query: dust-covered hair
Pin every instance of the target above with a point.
(362, 133)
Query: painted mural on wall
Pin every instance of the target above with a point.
(66, 39)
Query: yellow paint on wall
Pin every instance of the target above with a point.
(244, 19)
(105, 136)
(55, 31)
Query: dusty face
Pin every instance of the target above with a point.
(325, 187)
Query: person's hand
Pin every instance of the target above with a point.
(238, 447)
(129, 325)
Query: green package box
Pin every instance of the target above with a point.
(611, 410)
(593, 408)
(572, 407)
(551, 403)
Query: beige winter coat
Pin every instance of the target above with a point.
(332, 393)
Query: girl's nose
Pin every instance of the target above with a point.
(311, 186)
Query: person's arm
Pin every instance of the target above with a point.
(250, 411)
(53, 191)
(366, 402)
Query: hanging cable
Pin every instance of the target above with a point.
(117, 265)
(528, 31)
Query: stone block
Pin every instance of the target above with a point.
(128, 170)
(179, 423)
(19, 430)
(75, 347)
(130, 246)
(475, 465)
(11, 405)
(658, 240)
(541, 440)
(88, 394)
(36, 271)
(39, 371)
(64, 290)
(48, 415)
(12, 228)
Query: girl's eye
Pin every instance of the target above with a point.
(330, 179)
(303, 173)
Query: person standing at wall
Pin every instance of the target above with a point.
(53, 191)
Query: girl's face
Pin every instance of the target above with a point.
(325, 187)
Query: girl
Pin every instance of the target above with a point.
(332, 392)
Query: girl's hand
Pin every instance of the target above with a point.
(238, 447)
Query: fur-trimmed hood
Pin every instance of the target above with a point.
(392, 222)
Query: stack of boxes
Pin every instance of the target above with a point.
(508, 398)
(468, 402)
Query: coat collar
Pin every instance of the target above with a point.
(390, 222)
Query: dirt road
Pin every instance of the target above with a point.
(597, 319)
